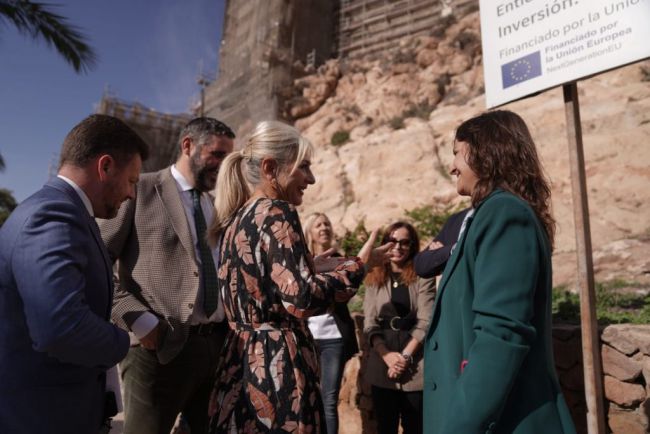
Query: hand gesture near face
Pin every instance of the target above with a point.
(374, 256)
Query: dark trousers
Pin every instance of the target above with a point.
(331, 371)
(391, 405)
(154, 394)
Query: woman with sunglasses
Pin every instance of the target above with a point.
(397, 310)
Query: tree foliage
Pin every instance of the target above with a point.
(7, 204)
(428, 220)
(40, 22)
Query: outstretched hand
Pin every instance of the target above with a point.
(325, 262)
(374, 256)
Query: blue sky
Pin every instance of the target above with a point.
(148, 51)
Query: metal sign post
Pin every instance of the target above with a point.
(589, 322)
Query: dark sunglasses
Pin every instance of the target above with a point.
(402, 243)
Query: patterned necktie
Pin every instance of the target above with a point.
(209, 272)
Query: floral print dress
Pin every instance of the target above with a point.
(268, 379)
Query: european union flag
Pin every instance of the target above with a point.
(521, 69)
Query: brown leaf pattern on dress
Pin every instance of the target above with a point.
(288, 285)
(269, 375)
(264, 409)
(282, 233)
(245, 248)
(256, 361)
(277, 369)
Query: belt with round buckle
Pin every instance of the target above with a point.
(393, 326)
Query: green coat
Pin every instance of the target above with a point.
(488, 358)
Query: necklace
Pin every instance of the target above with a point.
(395, 278)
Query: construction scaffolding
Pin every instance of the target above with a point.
(264, 44)
(159, 130)
(267, 44)
(365, 27)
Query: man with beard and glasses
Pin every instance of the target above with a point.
(166, 289)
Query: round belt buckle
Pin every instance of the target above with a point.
(392, 325)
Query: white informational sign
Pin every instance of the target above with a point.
(533, 45)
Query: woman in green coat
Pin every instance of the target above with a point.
(488, 353)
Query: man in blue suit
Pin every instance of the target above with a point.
(56, 287)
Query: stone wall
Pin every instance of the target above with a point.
(626, 367)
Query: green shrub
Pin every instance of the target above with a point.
(340, 138)
(352, 241)
(356, 303)
(612, 305)
(397, 123)
(422, 110)
(428, 220)
(7, 204)
(565, 305)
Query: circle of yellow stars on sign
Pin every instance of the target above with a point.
(521, 76)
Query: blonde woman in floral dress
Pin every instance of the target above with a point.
(268, 380)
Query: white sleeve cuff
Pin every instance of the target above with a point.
(142, 326)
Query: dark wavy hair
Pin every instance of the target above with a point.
(502, 153)
(379, 275)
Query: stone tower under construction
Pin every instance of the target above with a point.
(266, 44)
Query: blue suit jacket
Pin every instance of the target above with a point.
(431, 263)
(56, 340)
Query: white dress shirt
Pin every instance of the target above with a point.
(112, 376)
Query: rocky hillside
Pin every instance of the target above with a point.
(393, 120)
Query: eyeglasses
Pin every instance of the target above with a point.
(402, 243)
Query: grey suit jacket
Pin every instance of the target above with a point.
(157, 269)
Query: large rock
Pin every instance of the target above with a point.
(623, 394)
(618, 365)
(627, 338)
(645, 369)
(622, 421)
(349, 413)
(398, 158)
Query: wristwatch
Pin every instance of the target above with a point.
(408, 358)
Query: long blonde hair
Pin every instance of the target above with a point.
(240, 171)
(310, 221)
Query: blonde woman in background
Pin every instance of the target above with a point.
(269, 283)
(333, 332)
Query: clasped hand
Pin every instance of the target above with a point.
(397, 364)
